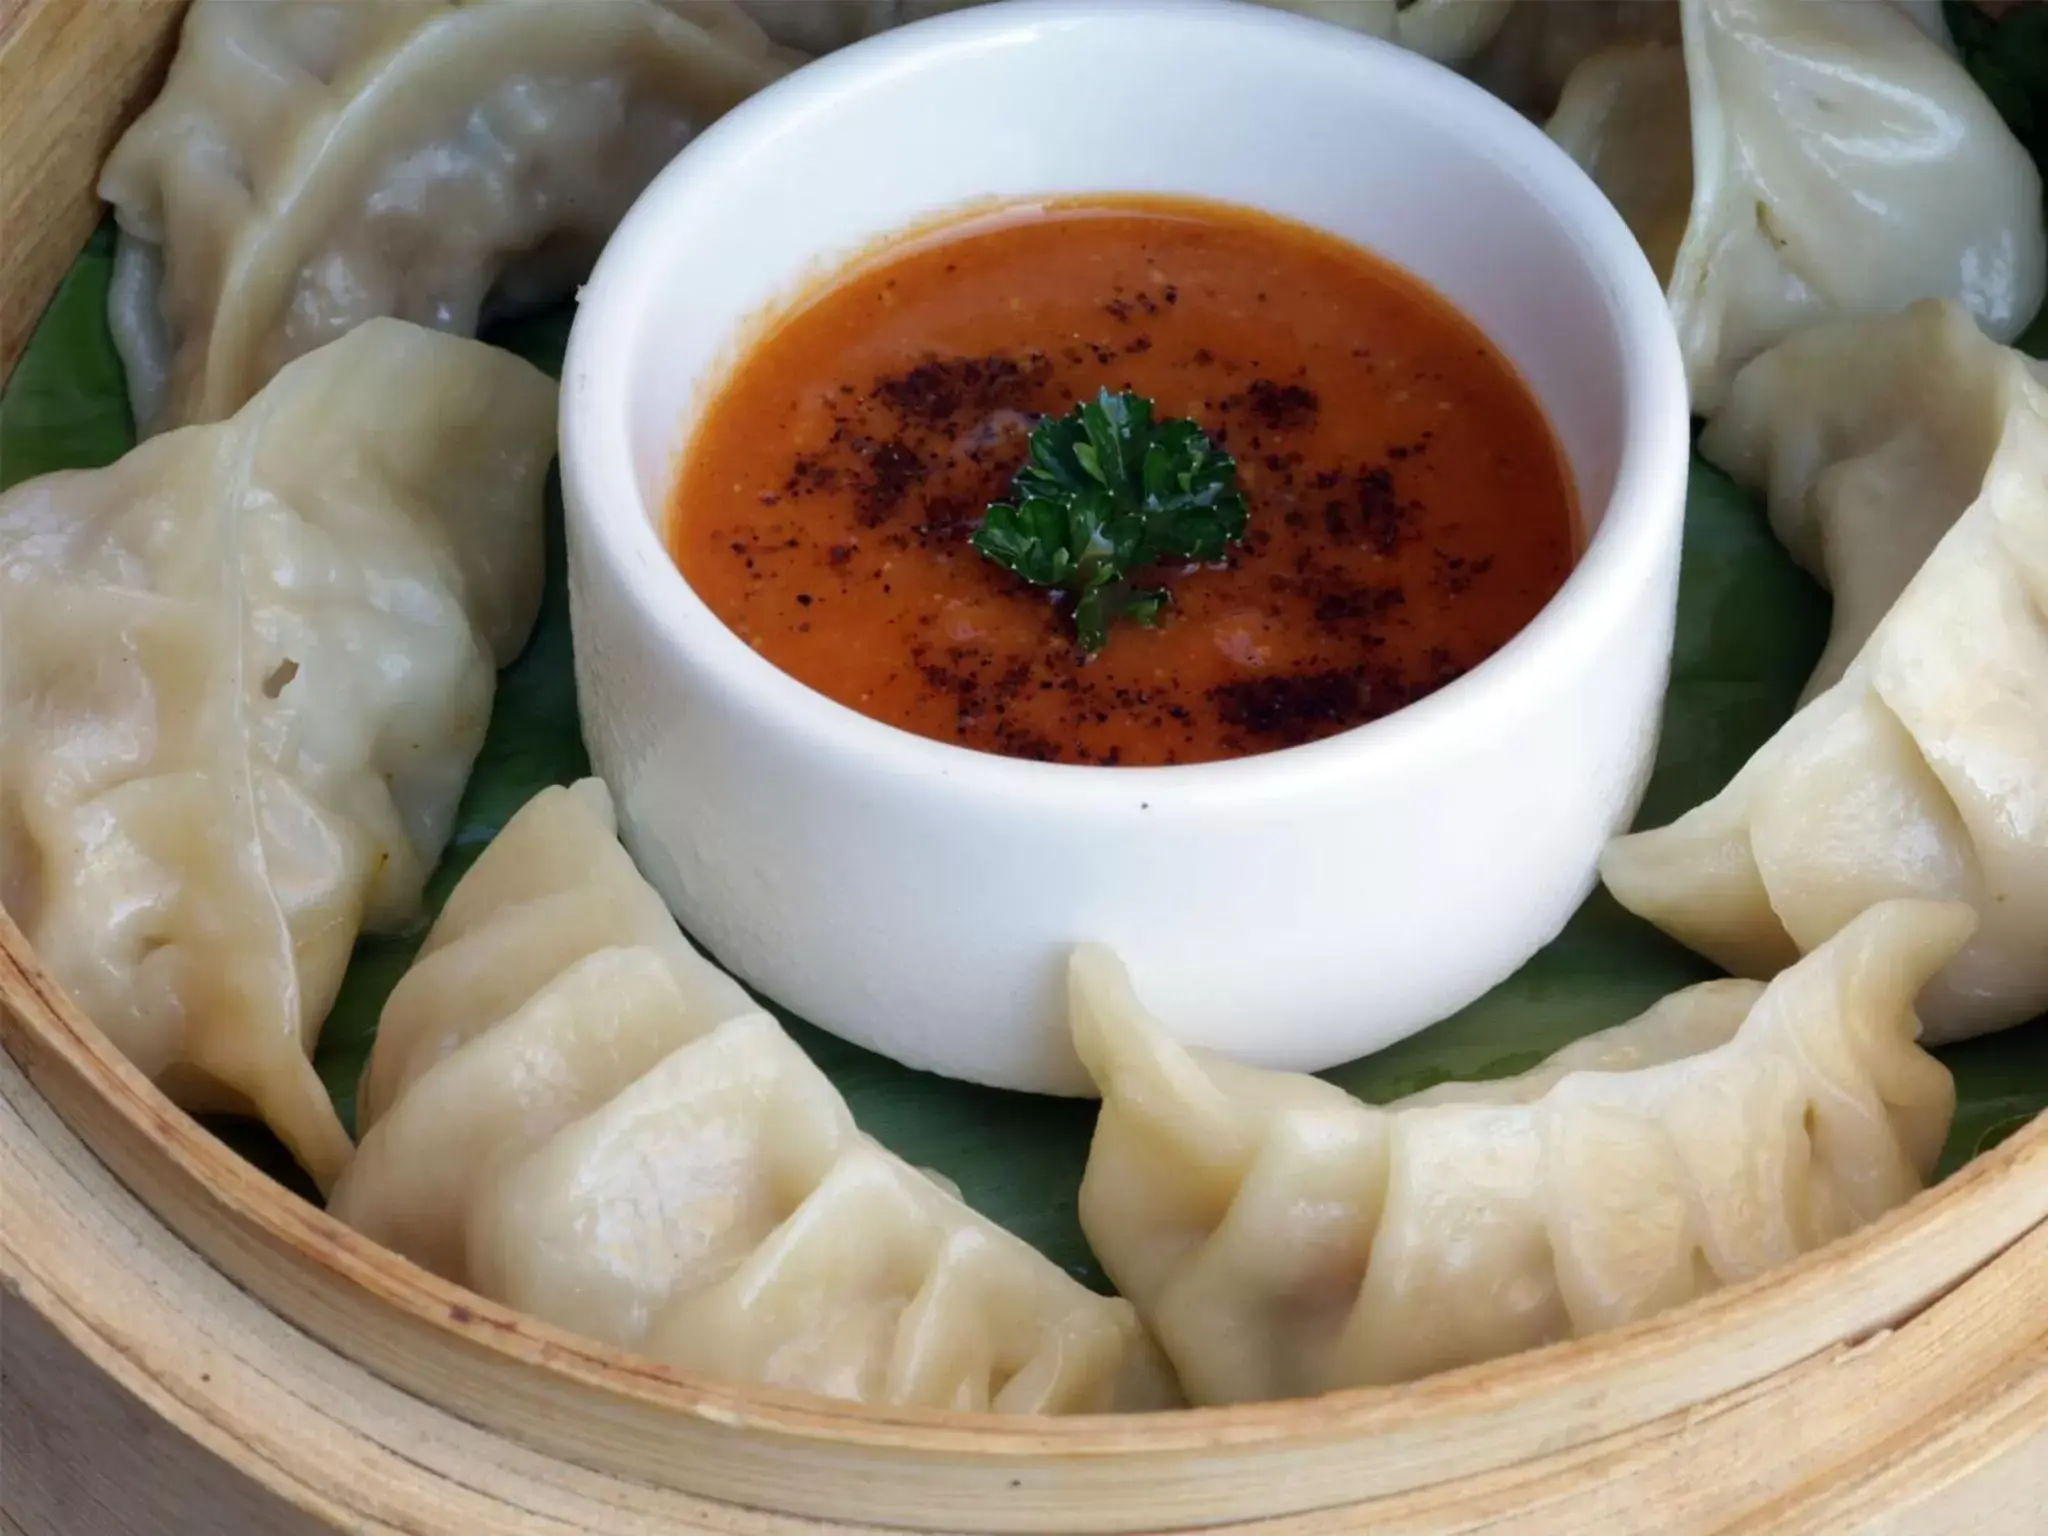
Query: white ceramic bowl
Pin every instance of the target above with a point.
(1296, 909)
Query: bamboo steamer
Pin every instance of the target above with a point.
(189, 1347)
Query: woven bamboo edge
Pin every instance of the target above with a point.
(1906, 1357)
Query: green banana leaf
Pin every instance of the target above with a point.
(1750, 626)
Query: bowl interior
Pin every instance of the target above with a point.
(1233, 103)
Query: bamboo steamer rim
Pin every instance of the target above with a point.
(1944, 1303)
(249, 1430)
(736, 1443)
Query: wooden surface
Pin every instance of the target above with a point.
(1716, 1409)
(72, 73)
(184, 1346)
(141, 1392)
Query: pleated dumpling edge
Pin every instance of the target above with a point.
(576, 1114)
(1916, 772)
(1281, 1238)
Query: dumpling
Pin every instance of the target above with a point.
(1449, 31)
(1922, 771)
(1833, 160)
(1867, 441)
(247, 669)
(751, 1232)
(570, 1110)
(553, 887)
(312, 163)
(1539, 44)
(820, 26)
(1280, 1238)
(1626, 117)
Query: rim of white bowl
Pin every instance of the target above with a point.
(1637, 525)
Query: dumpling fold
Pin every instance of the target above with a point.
(1539, 44)
(1449, 31)
(310, 164)
(1866, 443)
(1796, 161)
(1281, 1238)
(570, 1110)
(1922, 770)
(246, 671)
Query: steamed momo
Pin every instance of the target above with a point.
(1802, 160)
(1281, 1239)
(1920, 771)
(1867, 442)
(312, 163)
(1449, 31)
(1539, 43)
(570, 1110)
(820, 26)
(246, 671)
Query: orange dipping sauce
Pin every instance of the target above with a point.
(1410, 508)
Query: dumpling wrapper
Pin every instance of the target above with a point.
(571, 1111)
(310, 164)
(553, 887)
(1867, 442)
(1798, 161)
(247, 669)
(1540, 43)
(1281, 1239)
(1449, 31)
(823, 26)
(1923, 771)
(748, 1230)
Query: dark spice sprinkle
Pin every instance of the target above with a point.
(893, 468)
(1383, 515)
(1456, 574)
(1335, 607)
(924, 451)
(937, 392)
(1292, 708)
(1281, 406)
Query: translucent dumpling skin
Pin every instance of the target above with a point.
(570, 1110)
(246, 671)
(1919, 771)
(1447, 30)
(1792, 162)
(1867, 443)
(310, 164)
(1281, 1239)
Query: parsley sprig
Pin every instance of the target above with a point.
(1109, 492)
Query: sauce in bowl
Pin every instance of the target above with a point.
(1410, 510)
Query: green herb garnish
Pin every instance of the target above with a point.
(1109, 492)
